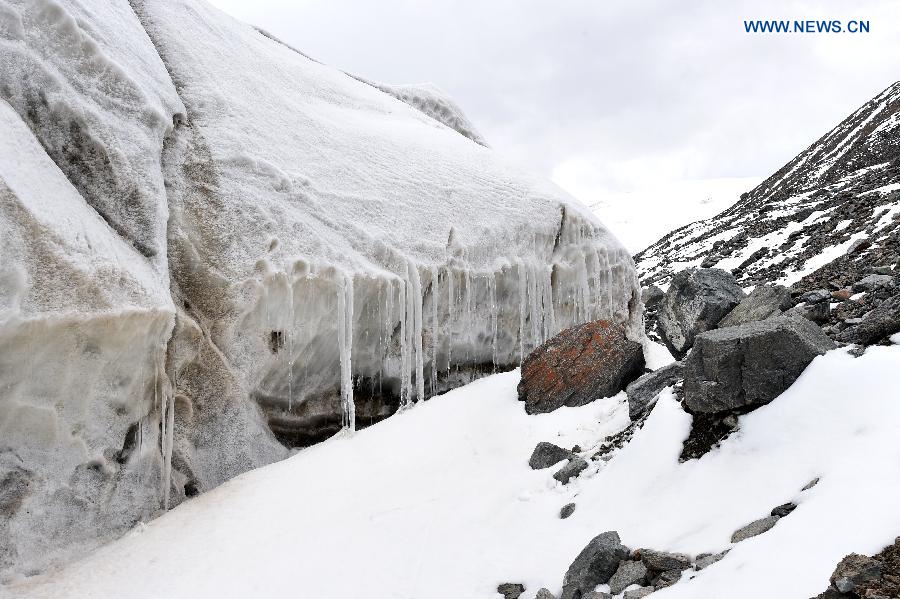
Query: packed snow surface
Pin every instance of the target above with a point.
(439, 501)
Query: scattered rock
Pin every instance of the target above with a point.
(567, 510)
(754, 528)
(596, 564)
(873, 282)
(877, 325)
(661, 561)
(707, 430)
(855, 570)
(643, 392)
(547, 454)
(765, 301)
(705, 560)
(638, 593)
(783, 510)
(666, 579)
(577, 366)
(576, 466)
(629, 573)
(544, 594)
(696, 301)
(751, 364)
(810, 484)
(816, 296)
(841, 295)
(511, 590)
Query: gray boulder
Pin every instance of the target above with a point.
(696, 301)
(576, 466)
(765, 301)
(816, 296)
(705, 560)
(643, 392)
(784, 509)
(544, 594)
(755, 528)
(629, 573)
(666, 579)
(511, 590)
(854, 570)
(661, 561)
(751, 364)
(873, 282)
(819, 312)
(638, 593)
(596, 564)
(651, 296)
(547, 454)
(567, 510)
(876, 325)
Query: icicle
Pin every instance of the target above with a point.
(290, 340)
(169, 442)
(523, 291)
(416, 299)
(434, 327)
(492, 298)
(345, 349)
(405, 371)
(449, 319)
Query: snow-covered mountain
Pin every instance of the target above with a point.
(830, 214)
(215, 249)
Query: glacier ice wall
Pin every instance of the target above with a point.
(215, 250)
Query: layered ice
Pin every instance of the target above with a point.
(216, 250)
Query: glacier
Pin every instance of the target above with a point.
(216, 251)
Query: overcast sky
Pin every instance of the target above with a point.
(633, 106)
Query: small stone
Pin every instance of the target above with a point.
(544, 594)
(666, 579)
(546, 455)
(639, 593)
(854, 570)
(783, 510)
(567, 510)
(816, 297)
(705, 560)
(511, 590)
(810, 484)
(858, 246)
(629, 573)
(661, 561)
(596, 564)
(576, 466)
(753, 529)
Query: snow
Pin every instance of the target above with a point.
(446, 485)
(821, 259)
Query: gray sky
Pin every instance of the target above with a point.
(654, 105)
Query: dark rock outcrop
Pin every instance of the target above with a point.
(765, 301)
(577, 366)
(643, 392)
(596, 564)
(511, 590)
(875, 326)
(749, 365)
(855, 570)
(696, 301)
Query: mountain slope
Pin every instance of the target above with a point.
(797, 226)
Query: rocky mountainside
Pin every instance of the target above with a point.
(216, 250)
(826, 219)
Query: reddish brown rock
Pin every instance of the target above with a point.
(841, 295)
(581, 364)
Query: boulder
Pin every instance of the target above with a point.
(855, 570)
(818, 312)
(880, 323)
(757, 527)
(596, 595)
(629, 573)
(749, 365)
(763, 302)
(696, 301)
(841, 295)
(567, 510)
(666, 579)
(661, 561)
(544, 594)
(547, 454)
(643, 392)
(596, 564)
(651, 296)
(783, 510)
(511, 590)
(577, 366)
(816, 296)
(576, 466)
(873, 282)
(638, 593)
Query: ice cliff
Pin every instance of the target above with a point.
(215, 249)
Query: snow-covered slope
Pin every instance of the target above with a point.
(440, 502)
(215, 248)
(797, 225)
